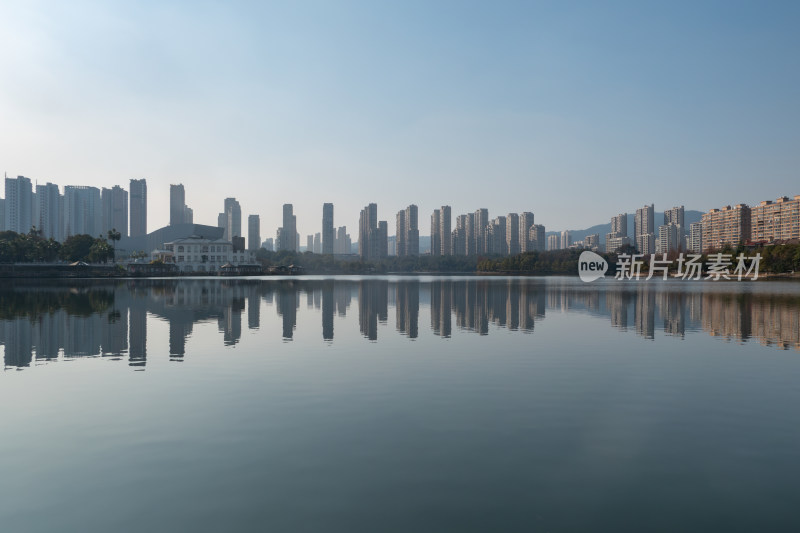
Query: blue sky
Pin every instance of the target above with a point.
(572, 110)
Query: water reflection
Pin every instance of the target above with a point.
(46, 322)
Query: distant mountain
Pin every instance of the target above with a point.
(689, 217)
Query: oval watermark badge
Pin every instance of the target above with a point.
(591, 266)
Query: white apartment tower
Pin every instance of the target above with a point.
(525, 224)
(19, 204)
(644, 229)
(115, 210)
(47, 211)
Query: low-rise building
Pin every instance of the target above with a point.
(592, 241)
(198, 254)
(615, 242)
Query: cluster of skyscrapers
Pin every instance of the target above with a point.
(407, 232)
(95, 211)
(78, 210)
(670, 236)
(475, 234)
(330, 240)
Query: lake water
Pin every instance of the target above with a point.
(408, 404)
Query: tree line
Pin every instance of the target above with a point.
(32, 247)
(775, 259)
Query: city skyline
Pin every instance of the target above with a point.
(599, 98)
(84, 209)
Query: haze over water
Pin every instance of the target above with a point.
(400, 404)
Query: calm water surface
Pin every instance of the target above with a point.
(400, 404)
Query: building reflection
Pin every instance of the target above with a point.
(373, 306)
(328, 305)
(41, 323)
(288, 301)
(406, 299)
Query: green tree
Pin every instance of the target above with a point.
(114, 236)
(77, 247)
(100, 251)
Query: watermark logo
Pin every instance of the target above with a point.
(689, 267)
(591, 266)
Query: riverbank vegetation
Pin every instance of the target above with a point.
(31, 247)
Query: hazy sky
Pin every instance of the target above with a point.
(573, 110)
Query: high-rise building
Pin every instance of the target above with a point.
(373, 238)
(383, 239)
(367, 223)
(310, 243)
(619, 225)
(512, 233)
(232, 219)
(138, 207)
(343, 244)
(400, 235)
(644, 229)
(729, 225)
(695, 243)
(776, 221)
(459, 236)
(668, 238)
(115, 210)
(525, 223)
(407, 232)
(496, 237)
(328, 236)
(436, 236)
(469, 245)
(481, 225)
(177, 204)
(458, 240)
(318, 243)
(2, 214)
(536, 236)
(47, 211)
(552, 242)
(19, 204)
(674, 216)
(566, 239)
(288, 234)
(444, 230)
(83, 213)
(592, 241)
(412, 230)
(672, 238)
(253, 232)
(618, 237)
